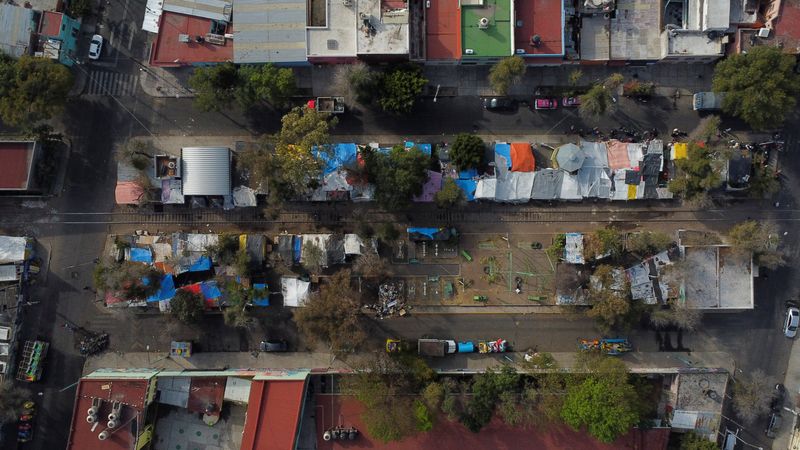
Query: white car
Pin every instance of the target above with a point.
(96, 47)
(791, 323)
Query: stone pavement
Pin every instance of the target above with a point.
(638, 362)
(162, 82)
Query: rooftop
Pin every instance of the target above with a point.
(50, 24)
(543, 18)
(269, 31)
(177, 44)
(632, 34)
(17, 25)
(492, 39)
(16, 159)
(718, 278)
(389, 35)
(273, 413)
(132, 393)
(443, 35)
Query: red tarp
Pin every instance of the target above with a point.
(128, 193)
(522, 157)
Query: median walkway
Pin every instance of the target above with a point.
(639, 362)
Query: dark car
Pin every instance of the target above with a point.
(274, 346)
(778, 396)
(499, 104)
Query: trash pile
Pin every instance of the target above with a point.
(391, 299)
(93, 343)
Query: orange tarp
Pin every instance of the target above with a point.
(522, 157)
(128, 193)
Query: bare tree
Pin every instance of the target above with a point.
(752, 395)
(371, 265)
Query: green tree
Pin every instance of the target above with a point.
(388, 233)
(761, 239)
(423, 416)
(127, 280)
(710, 129)
(433, 395)
(575, 77)
(486, 390)
(467, 151)
(450, 195)
(605, 402)
(32, 90)
(610, 298)
(186, 306)
(400, 87)
(677, 314)
(604, 241)
(333, 315)
(595, 102)
(80, 8)
(505, 73)
(398, 176)
(237, 305)
(760, 86)
(265, 83)
(696, 174)
(694, 441)
(647, 243)
(12, 401)
(356, 82)
(215, 86)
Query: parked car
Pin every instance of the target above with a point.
(567, 102)
(274, 346)
(778, 396)
(545, 103)
(774, 424)
(791, 323)
(96, 47)
(499, 104)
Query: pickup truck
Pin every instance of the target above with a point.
(436, 347)
(707, 101)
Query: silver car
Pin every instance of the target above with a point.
(791, 323)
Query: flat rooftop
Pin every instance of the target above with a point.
(366, 27)
(443, 34)
(693, 43)
(543, 18)
(390, 35)
(16, 160)
(718, 278)
(168, 50)
(269, 31)
(493, 40)
(634, 34)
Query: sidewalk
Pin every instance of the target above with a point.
(788, 436)
(161, 82)
(640, 362)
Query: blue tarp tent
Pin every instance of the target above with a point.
(261, 296)
(201, 265)
(165, 292)
(429, 234)
(337, 156)
(142, 255)
(466, 347)
(297, 248)
(468, 174)
(424, 148)
(210, 290)
(504, 150)
(468, 186)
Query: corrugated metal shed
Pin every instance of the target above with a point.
(208, 9)
(270, 31)
(206, 171)
(16, 24)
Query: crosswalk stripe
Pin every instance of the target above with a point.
(103, 82)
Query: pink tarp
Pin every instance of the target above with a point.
(128, 193)
(431, 187)
(618, 155)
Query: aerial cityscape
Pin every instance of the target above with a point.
(399, 224)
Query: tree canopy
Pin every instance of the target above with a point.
(333, 316)
(32, 90)
(467, 151)
(696, 174)
(450, 195)
(599, 99)
(759, 238)
(609, 296)
(506, 73)
(265, 83)
(752, 395)
(215, 86)
(356, 82)
(400, 87)
(760, 86)
(398, 175)
(186, 306)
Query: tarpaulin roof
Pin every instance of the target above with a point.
(142, 255)
(515, 187)
(261, 295)
(352, 244)
(570, 187)
(569, 157)
(486, 189)
(13, 249)
(128, 193)
(468, 174)
(336, 156)
(243, 196)
(547, 184)
(295, 291)
(172, 192)
(595, 153)
(428, 234)
(202, 264)
(165, 291)
(573, 248)
(210, 289)
(594, 182)
(618, 155)
(680, 150)
(424, 148)
(522, 157)
(502, 154)
(468, 186)
(430, 188)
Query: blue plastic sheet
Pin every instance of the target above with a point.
(468, 174)
(142, 255)
(261, 297)
(428, 234)
(210, 290)
(165, 292)
(339, 155)
(297, 247)
(424, 148)
(469, 187)
(504, 150)
(466, 347)
(201, 265)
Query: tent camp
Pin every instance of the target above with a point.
(515, 187)
(430, 188)
(522, 157)
(486, 188)
(295, 291)
(14, 249)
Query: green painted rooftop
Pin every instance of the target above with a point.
(493, 41)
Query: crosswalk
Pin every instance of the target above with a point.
(103, 82)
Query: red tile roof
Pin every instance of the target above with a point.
(543, 18)
(337, 410)
(787, 26)
(131, 393)
(15, 164)
(51, 24)
(168, 51)
(443, 23)
(273, 414)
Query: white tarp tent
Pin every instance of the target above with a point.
(352, 244)
(515, 187)
(8, 272)
(243, 196)
(295, 291)
(570, 189)
(13, 249)
(486, 189)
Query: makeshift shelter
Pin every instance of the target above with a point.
(680, 150)
(430, 188)
(295, 291)
(15, 249)
(429, 234)
(522, 159)
(336, 156)
(570, 187)
(285, 248)
(569, 157)
(618, 155)
(547, 184)
(128, 193)
(261, 294)
(573, 248)
(468, 186)
(243, 196)
(206, 171)
(424, 148)
(502, 155)
(142, 255)
(334, 186)
(485, 189)
(256, 247)
(515, 187)
(352, 244)
(172, 192)
(468, 174)
(166, 290)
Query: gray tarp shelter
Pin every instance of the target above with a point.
(206, 171)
